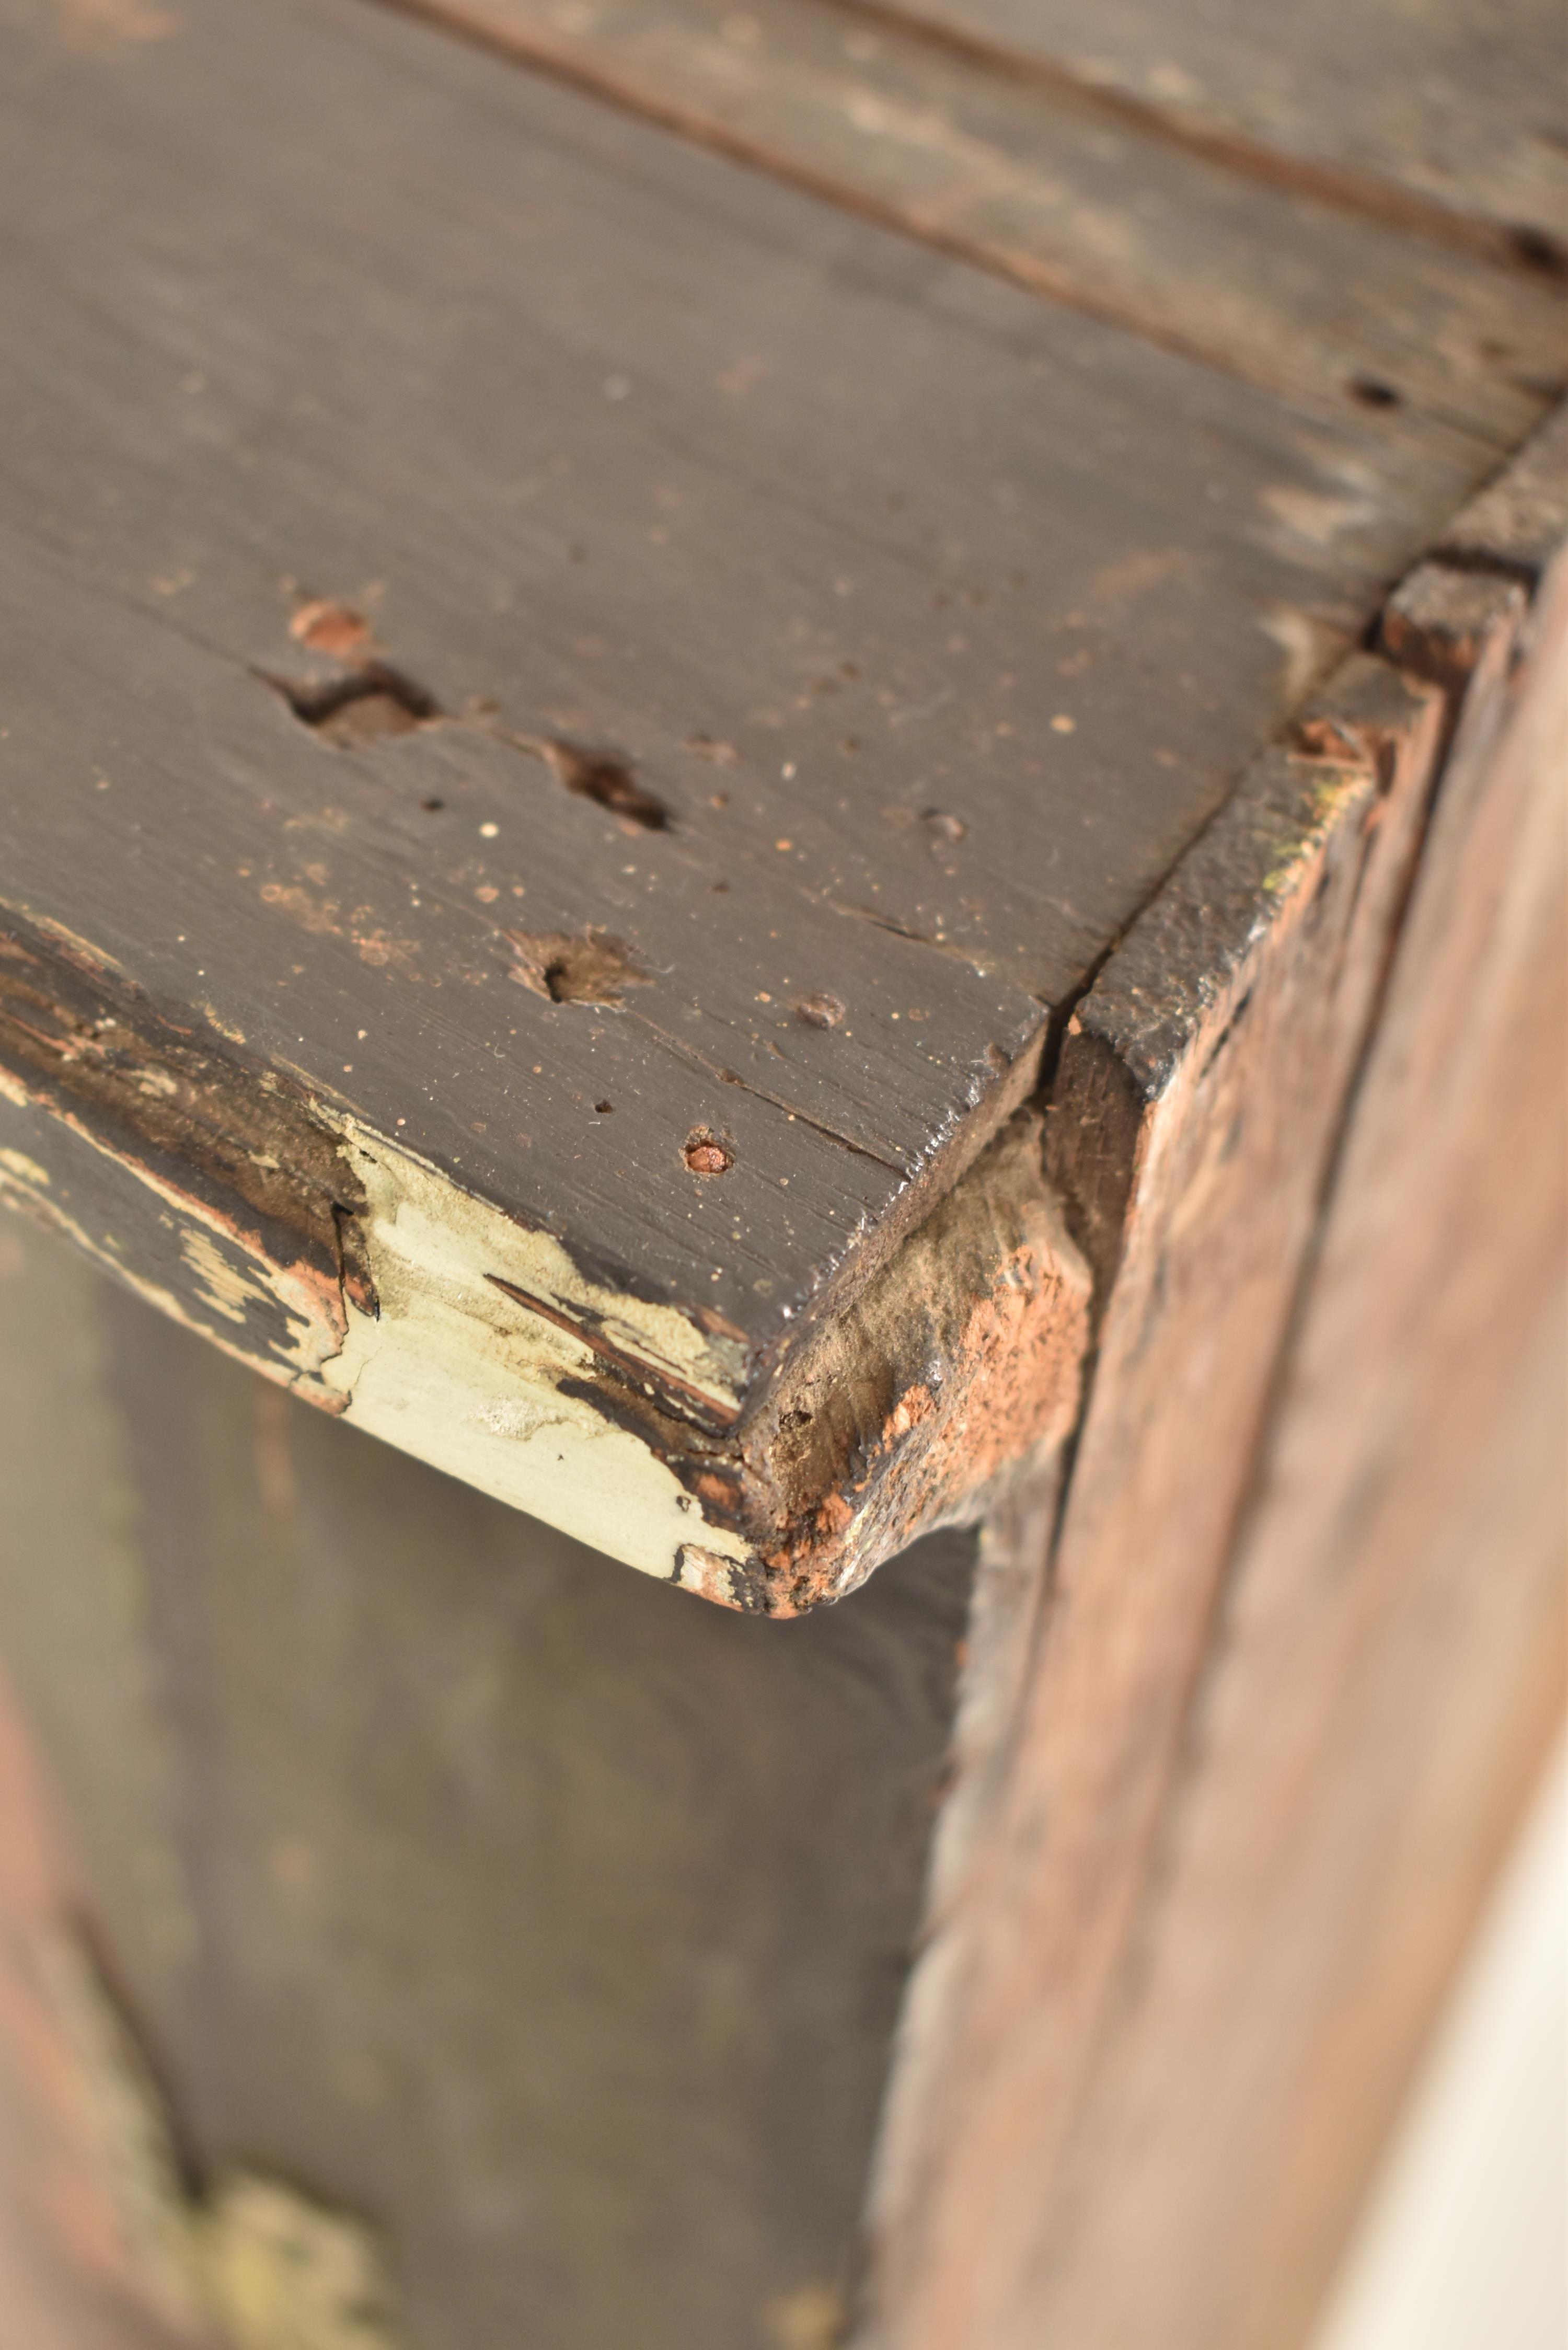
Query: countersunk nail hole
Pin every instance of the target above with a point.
(590, 970)
(820, 1010)
(599, 776)
(350, 711)
(705, 1154)
(603, 1109)
(942, 825)
(1372, 392)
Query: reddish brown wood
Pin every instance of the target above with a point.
(1259, 1785)
(1385, 1670)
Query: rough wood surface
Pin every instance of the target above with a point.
(571, 715)
(552, 1926)
(1218, 1077)
(1445, 112)
(1195, 1109)
(1385, 1676)
(1039, 183)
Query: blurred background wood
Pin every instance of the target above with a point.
(550, 1920)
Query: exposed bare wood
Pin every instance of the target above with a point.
(1195, 1120)
(1384, 1675)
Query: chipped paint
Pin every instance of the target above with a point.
(23, 1170)
(229, 1275)
(368, 1280)
(458, 1372)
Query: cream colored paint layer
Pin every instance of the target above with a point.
(226, 1272)
(459, 1374)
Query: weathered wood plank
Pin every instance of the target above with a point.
(1038, 182)
(1442, 112)
(1385, 1676)
(552, 1926)
(1212, 1060)
(935, 621)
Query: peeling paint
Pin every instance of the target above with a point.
(344, 1265)
(457, 1372)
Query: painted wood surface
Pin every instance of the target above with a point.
(1296, 1651)
(573, 716)
(1043, 183)
(1449, 112)
(551, 1927)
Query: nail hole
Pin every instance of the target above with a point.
(1539, 251)
(432, 807)
(943, 826)
(597, 775)
(704, 1153)
(590, 970)
(350, 711)
(603, 1109)
(1373, 393)
(820, 1010)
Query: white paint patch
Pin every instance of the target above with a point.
(225, 1286)
(23, 1170)
(459, 1374)
(520, 1419)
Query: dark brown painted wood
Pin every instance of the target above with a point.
(1040, 183)
(510, 625)
(1451, 113)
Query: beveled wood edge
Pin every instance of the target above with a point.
(419, 1312)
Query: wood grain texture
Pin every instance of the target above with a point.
(550, 1925)
(1195, 1110)
(1218, 1078)
(1041, 183)
(1385, 1673)
(1425, 110)
(407, 1054)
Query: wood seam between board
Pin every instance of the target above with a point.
(705, 131)
(1033, 273)
(1362, 196)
